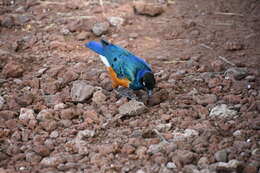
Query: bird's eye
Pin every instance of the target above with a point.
(115, 59)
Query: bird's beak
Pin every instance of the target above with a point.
(150, 92)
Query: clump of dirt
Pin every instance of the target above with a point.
(58, 112)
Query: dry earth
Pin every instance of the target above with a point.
(58, 112)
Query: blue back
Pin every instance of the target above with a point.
(124, 63)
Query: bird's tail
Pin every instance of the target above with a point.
(96, 47)
(99, 49)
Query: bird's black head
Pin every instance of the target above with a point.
(149, 82)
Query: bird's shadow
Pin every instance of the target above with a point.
(131, 94)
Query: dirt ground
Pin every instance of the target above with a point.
(202, 118)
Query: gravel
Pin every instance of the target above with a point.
(61, 114)
(222, 111)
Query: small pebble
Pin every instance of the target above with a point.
(221, 156)
(54, 134)
(171, 165)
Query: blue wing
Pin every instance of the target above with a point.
(124, 63)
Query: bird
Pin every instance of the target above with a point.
(125, 68)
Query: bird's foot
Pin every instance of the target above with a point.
(126, 92)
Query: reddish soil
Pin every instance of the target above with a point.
(192, 47)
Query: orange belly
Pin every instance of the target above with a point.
(117, 81)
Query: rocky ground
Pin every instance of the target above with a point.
(58, 112)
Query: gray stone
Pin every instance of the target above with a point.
(22, 19)
(236, 72)
(188, 133)
(237, 133)
(81, 91)
(65, 31)
(171, 165)
(60, 106)
(256, 153)
(115, 21)
(51, 100)
(171, 147)
(85, 134)
(8, 22)
(49, 143)
(18, 81)
(203, 162)
(20, 9)
(132, 108)
(195, 33)
(2, 81)
(250, 78)
(2, 101)
(41, 71)
(221, 156)
(232, 165)
(140, 171)
(193, 92)
(26, 114)
(207, 171)
(99, 98)
(52, 161)
(32, 157)
(80, 143)
(68, 166)
(54, 134)
(66, 123)
(164, 127)
(207, 75)
(191, 63)
(155, 148)
(45, 114)
(222, 111)
(164, 169)
(100, 28)
(190, 169)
